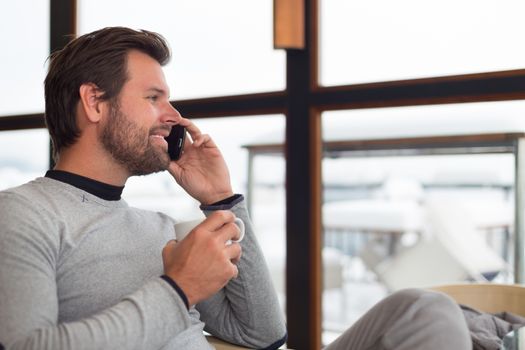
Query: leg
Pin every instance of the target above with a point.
(409, 319)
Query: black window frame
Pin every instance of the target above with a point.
(302, 103)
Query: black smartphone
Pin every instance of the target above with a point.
(175, 141)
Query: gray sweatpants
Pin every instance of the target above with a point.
(408, 319)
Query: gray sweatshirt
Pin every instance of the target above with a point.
(80, 272)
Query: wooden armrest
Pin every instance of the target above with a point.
(222, 345)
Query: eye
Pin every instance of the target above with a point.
(153, 98)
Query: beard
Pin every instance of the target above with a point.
(130, 145)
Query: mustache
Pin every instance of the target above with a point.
(156, 129)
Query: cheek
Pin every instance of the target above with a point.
(144, 115)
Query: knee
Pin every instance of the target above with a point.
(433, 316)
(431, 305)
(424, 294)
(427, 300)
(412, 294)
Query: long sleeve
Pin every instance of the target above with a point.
(34, 250)
(246, 311)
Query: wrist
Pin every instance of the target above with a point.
(225, 204)
(217, 199)
(178, 289)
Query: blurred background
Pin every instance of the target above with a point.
(418, 179)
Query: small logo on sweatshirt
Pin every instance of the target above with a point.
(84, 199)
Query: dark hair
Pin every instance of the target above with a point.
(100, 58)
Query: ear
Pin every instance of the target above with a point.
(91, 103)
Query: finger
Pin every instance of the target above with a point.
(168, 248)
(204, 139)
(191, 128)
(185, 122)
(234, 251)
(216, 220)
(187, 142)
(228, 232)
(170, 242)
(175, 170)
(235, 271)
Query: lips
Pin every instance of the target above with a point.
(160, 133)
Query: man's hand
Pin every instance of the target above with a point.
(201, 171)
(201, 264)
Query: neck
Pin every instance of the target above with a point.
(95, 165)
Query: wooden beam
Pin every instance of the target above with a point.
(63, 28)
(62, 22)
(494, 86)
(231, 106)
(303, 196)
(20, 122)
(288, 24)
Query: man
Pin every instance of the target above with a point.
(81, 269)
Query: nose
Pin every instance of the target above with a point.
(171, 115)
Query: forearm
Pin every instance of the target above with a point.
(246, 311)
(146, 319)
(46, 304)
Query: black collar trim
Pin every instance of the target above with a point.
(96, 188)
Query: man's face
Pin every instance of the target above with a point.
(131, 146)
(140, 119)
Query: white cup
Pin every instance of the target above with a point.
(184, 227)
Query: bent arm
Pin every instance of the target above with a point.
(30, 246)
(246, 311)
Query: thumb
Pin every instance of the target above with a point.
(175, 170)
(168, 248)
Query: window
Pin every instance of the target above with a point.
(416, 202)
(30, 160)
(375, 41)
(219, 48)
(24, 40)
(381, 40)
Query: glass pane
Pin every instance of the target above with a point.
(238, 138)
(414, 217)
(24, 38)
(24, 155)
(219, 47)
(382, 40)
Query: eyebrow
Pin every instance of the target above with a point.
(158, 90)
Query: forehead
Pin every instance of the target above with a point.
(144, 72)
